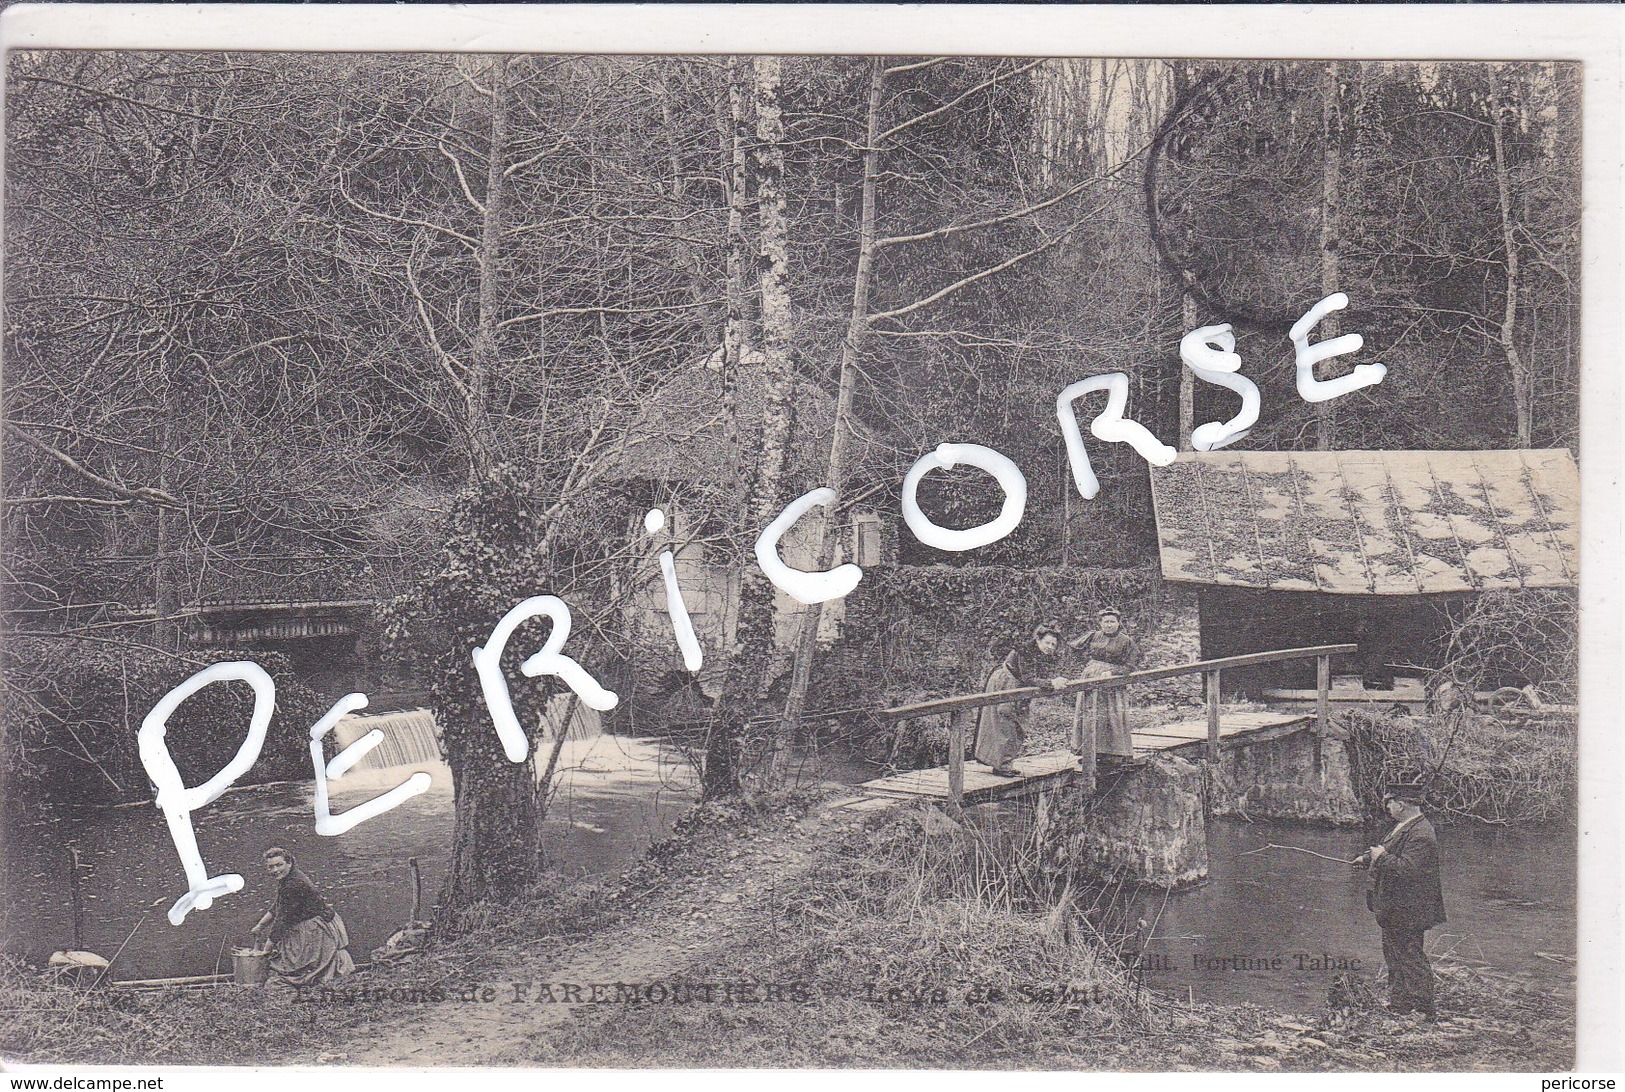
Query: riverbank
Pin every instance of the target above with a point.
(793, 937)
(1510, 768)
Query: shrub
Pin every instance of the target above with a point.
(1515, 638)
(1484, 768)
(73, 708)
(941, 627)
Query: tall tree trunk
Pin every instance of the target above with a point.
(495, 851)
(687, 253)
(1180, 75)
(166, 578)
(495, 839)
(752, 664)
(721, 772)
(1331, 170)
(778, 321)
(828, 523)
(484, 355)
(166, 571)
(736, 325)
(1509, 246)
(1187, 379)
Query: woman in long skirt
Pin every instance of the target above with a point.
(1001, 730)
(307, 937)
(1108, 651)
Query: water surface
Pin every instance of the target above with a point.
(614, 795)
(1509, 897)
(1255, 932)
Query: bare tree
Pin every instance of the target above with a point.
(1035, 215)
(167, 376)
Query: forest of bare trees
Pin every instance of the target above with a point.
(389, 323)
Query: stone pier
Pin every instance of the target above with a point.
(1277, 779)
(1149, 823)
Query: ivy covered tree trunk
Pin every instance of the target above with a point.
(496, 546)
(495, 848)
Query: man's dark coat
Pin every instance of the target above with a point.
(1405, 892)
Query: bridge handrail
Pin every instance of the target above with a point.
(1075, 686)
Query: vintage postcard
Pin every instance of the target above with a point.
(532, 554)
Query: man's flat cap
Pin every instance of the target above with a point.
(1413, 792)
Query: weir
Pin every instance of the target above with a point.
(411, 737)
(1147, 819)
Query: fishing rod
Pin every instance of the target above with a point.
(1461, 720)
(1299, 849)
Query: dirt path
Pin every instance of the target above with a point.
(673, 928)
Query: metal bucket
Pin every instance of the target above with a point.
(250, 966)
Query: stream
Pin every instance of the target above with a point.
(1271, 928)
(1274, 928)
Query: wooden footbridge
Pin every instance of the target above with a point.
(957, 785)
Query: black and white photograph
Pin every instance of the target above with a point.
(752, 560)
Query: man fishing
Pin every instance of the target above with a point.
(1405, 893)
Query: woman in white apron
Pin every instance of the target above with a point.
(1107, 651)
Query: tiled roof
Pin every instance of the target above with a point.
(1370, 522)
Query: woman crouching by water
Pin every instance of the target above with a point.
(1001, 730)
(306, 936)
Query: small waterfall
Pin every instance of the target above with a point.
(584, 722)
(410, 738)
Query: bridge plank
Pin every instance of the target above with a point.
(980, 784)
(1049, 768)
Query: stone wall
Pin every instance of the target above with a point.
(1148, 824)
(1276, 779)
